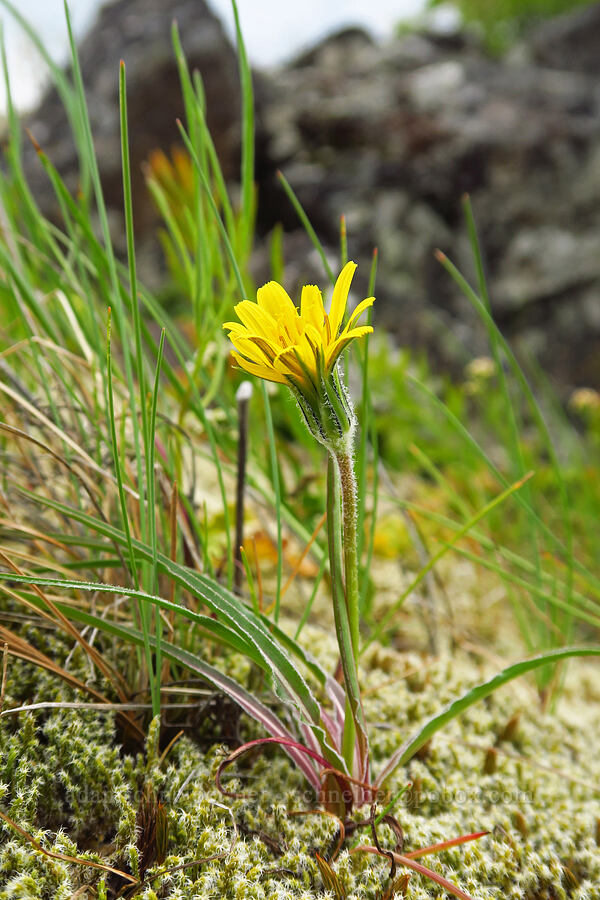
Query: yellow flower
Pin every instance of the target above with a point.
(279, 344)
(300, 349)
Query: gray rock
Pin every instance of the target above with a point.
(569, 42)
(391, 135)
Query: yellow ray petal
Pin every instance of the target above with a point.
(236, 331)
(306, 351)
(257, 320)
(340, 297)
(287, 364)
(336, 348)
(233, 326)
(357, 313)
(256, 349)
(249, 351)
(312, 311)
(265, 372)
(277, 303)
(269, 349)
(314, 336)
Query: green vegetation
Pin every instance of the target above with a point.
(119, 438)
(504, 21)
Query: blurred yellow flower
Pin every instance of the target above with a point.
(482, 367)
(585, 400)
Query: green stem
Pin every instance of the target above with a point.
(349, 736)
(345, 464)
(340, 614)
(341, 516)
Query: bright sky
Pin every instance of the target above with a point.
(271, 36)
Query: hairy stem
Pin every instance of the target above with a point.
(344, 575)
(345, 463)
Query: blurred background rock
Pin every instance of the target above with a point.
(391, 132)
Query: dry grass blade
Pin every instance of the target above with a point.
(47, 423)
(147, 819)
(170, 746)
(259, 581)
(330, 879)
(34, 559)
(75, 704)
(182, 524)
(445, 845)
(70, 629)
(35, 534)
(81, 476)
(398, 886)
(170, 618)
(304, 554)
(39, 613)
(17, 646)
(417, 867)
(4, 670)
(173, 506)
(64, 857)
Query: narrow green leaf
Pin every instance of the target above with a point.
(474, 695)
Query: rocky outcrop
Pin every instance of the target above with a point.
(392, 135)
(569, 42)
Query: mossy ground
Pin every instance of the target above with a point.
(66, 780)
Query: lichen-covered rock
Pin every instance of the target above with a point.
(392, 135)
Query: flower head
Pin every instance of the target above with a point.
(301, 349)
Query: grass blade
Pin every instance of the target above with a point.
(475, 695)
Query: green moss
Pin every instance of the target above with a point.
(64, 779)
